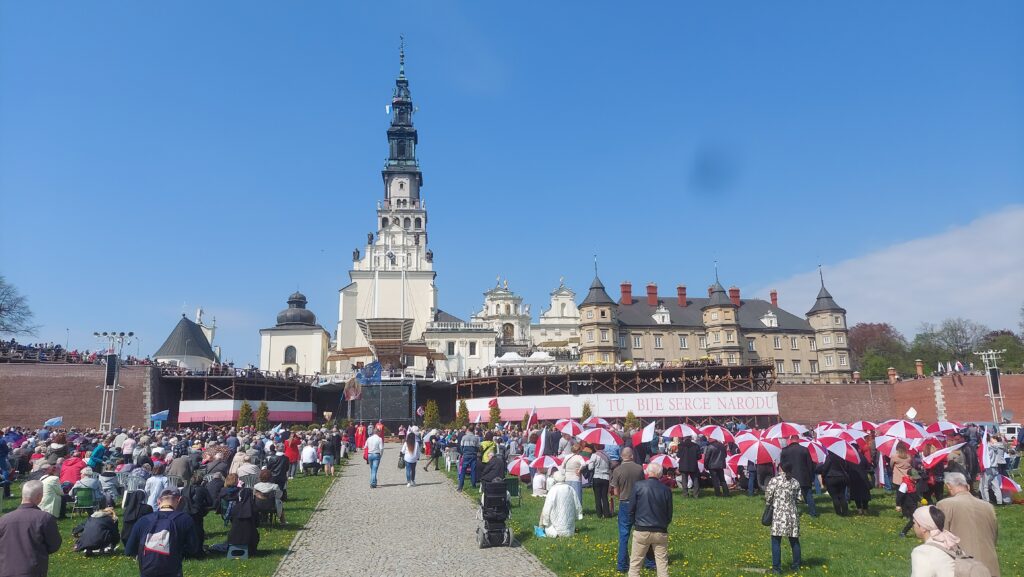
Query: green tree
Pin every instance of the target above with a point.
(244, 415)
(462, 415)
(263, 417)
(1012, 360)
(431, 415)
(631, 423)
(586, 411)
(874, 366)
(525, 423)
(880, 338)
(494, 416)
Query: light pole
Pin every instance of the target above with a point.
(115, 342)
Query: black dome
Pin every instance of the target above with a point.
(296, 313)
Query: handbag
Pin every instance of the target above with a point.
(768, 515)
(401, 459)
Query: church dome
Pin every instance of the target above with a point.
(296, 313)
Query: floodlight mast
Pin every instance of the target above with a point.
(115, 341)
(991, 360)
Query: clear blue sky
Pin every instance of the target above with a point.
(225, 153)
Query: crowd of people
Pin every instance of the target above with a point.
(633, 481)
(146, 493)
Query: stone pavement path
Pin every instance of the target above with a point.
(396, 531)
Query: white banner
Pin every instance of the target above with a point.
(649, 405)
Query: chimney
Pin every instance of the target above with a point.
(919, 365)
(856, 376)
(775, 298)
(892, 376)
(681, 293)
(711, 287)
(734, 295)
(652, 294)
(627, 293)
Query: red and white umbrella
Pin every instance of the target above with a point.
(785, 430)
(569, 427)
(815, 449)
(760, 452)
(943, 427)
(937, 457)
(902, 429)
(519, 467)
(1008, 485)
(718, 433)
(746, 437)
(599, 436)
(665, 461)
(866, 426)
(888, 445)
(841, 448)
(545, 462)
(591, 422)
(848, 435)
(732, 462)
(682, 430)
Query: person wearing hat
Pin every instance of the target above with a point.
(184, 542)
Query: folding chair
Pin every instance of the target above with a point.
(514, 489)
(85, 500)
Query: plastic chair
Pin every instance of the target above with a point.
(249, 481)
(134, 483)
(514, 489)
(85, 500)
(175, 481)
(239, 552)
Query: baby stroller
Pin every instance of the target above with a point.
(494, 511)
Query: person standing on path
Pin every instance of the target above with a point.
(28, 536)
(650, 514)
(469, 447)
(623, 478)
(374, 451)
(411, 456)
(972, 520)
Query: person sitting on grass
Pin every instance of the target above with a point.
(98, 533)
(561, 509)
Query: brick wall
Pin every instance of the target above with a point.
(809, 404)
(965, 397)
(32, 393)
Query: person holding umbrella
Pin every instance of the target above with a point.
(801, 468)
(782, 494)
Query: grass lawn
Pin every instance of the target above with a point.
(303, 495)
(724, 537)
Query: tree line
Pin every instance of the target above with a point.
(874, 347)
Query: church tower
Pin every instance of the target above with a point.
(392, 289)
(828, 320)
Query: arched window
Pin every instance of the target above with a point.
(384, 222)
(407, 223)
(419, 223)
(289, 355)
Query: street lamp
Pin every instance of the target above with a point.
(115, 341)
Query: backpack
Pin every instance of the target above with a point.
(158, 554)
(963, 564)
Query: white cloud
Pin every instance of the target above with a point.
(974, 271)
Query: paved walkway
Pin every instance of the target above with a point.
(396, 531)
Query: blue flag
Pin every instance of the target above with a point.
(371, 373)
(161, 416)
(54, 422)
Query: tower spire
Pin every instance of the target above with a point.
(401, 56)
(821, 276)
(716, 271)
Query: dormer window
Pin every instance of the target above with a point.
(770, 320)
(714, 315)
(661, 316)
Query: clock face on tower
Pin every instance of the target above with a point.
(400, 187)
